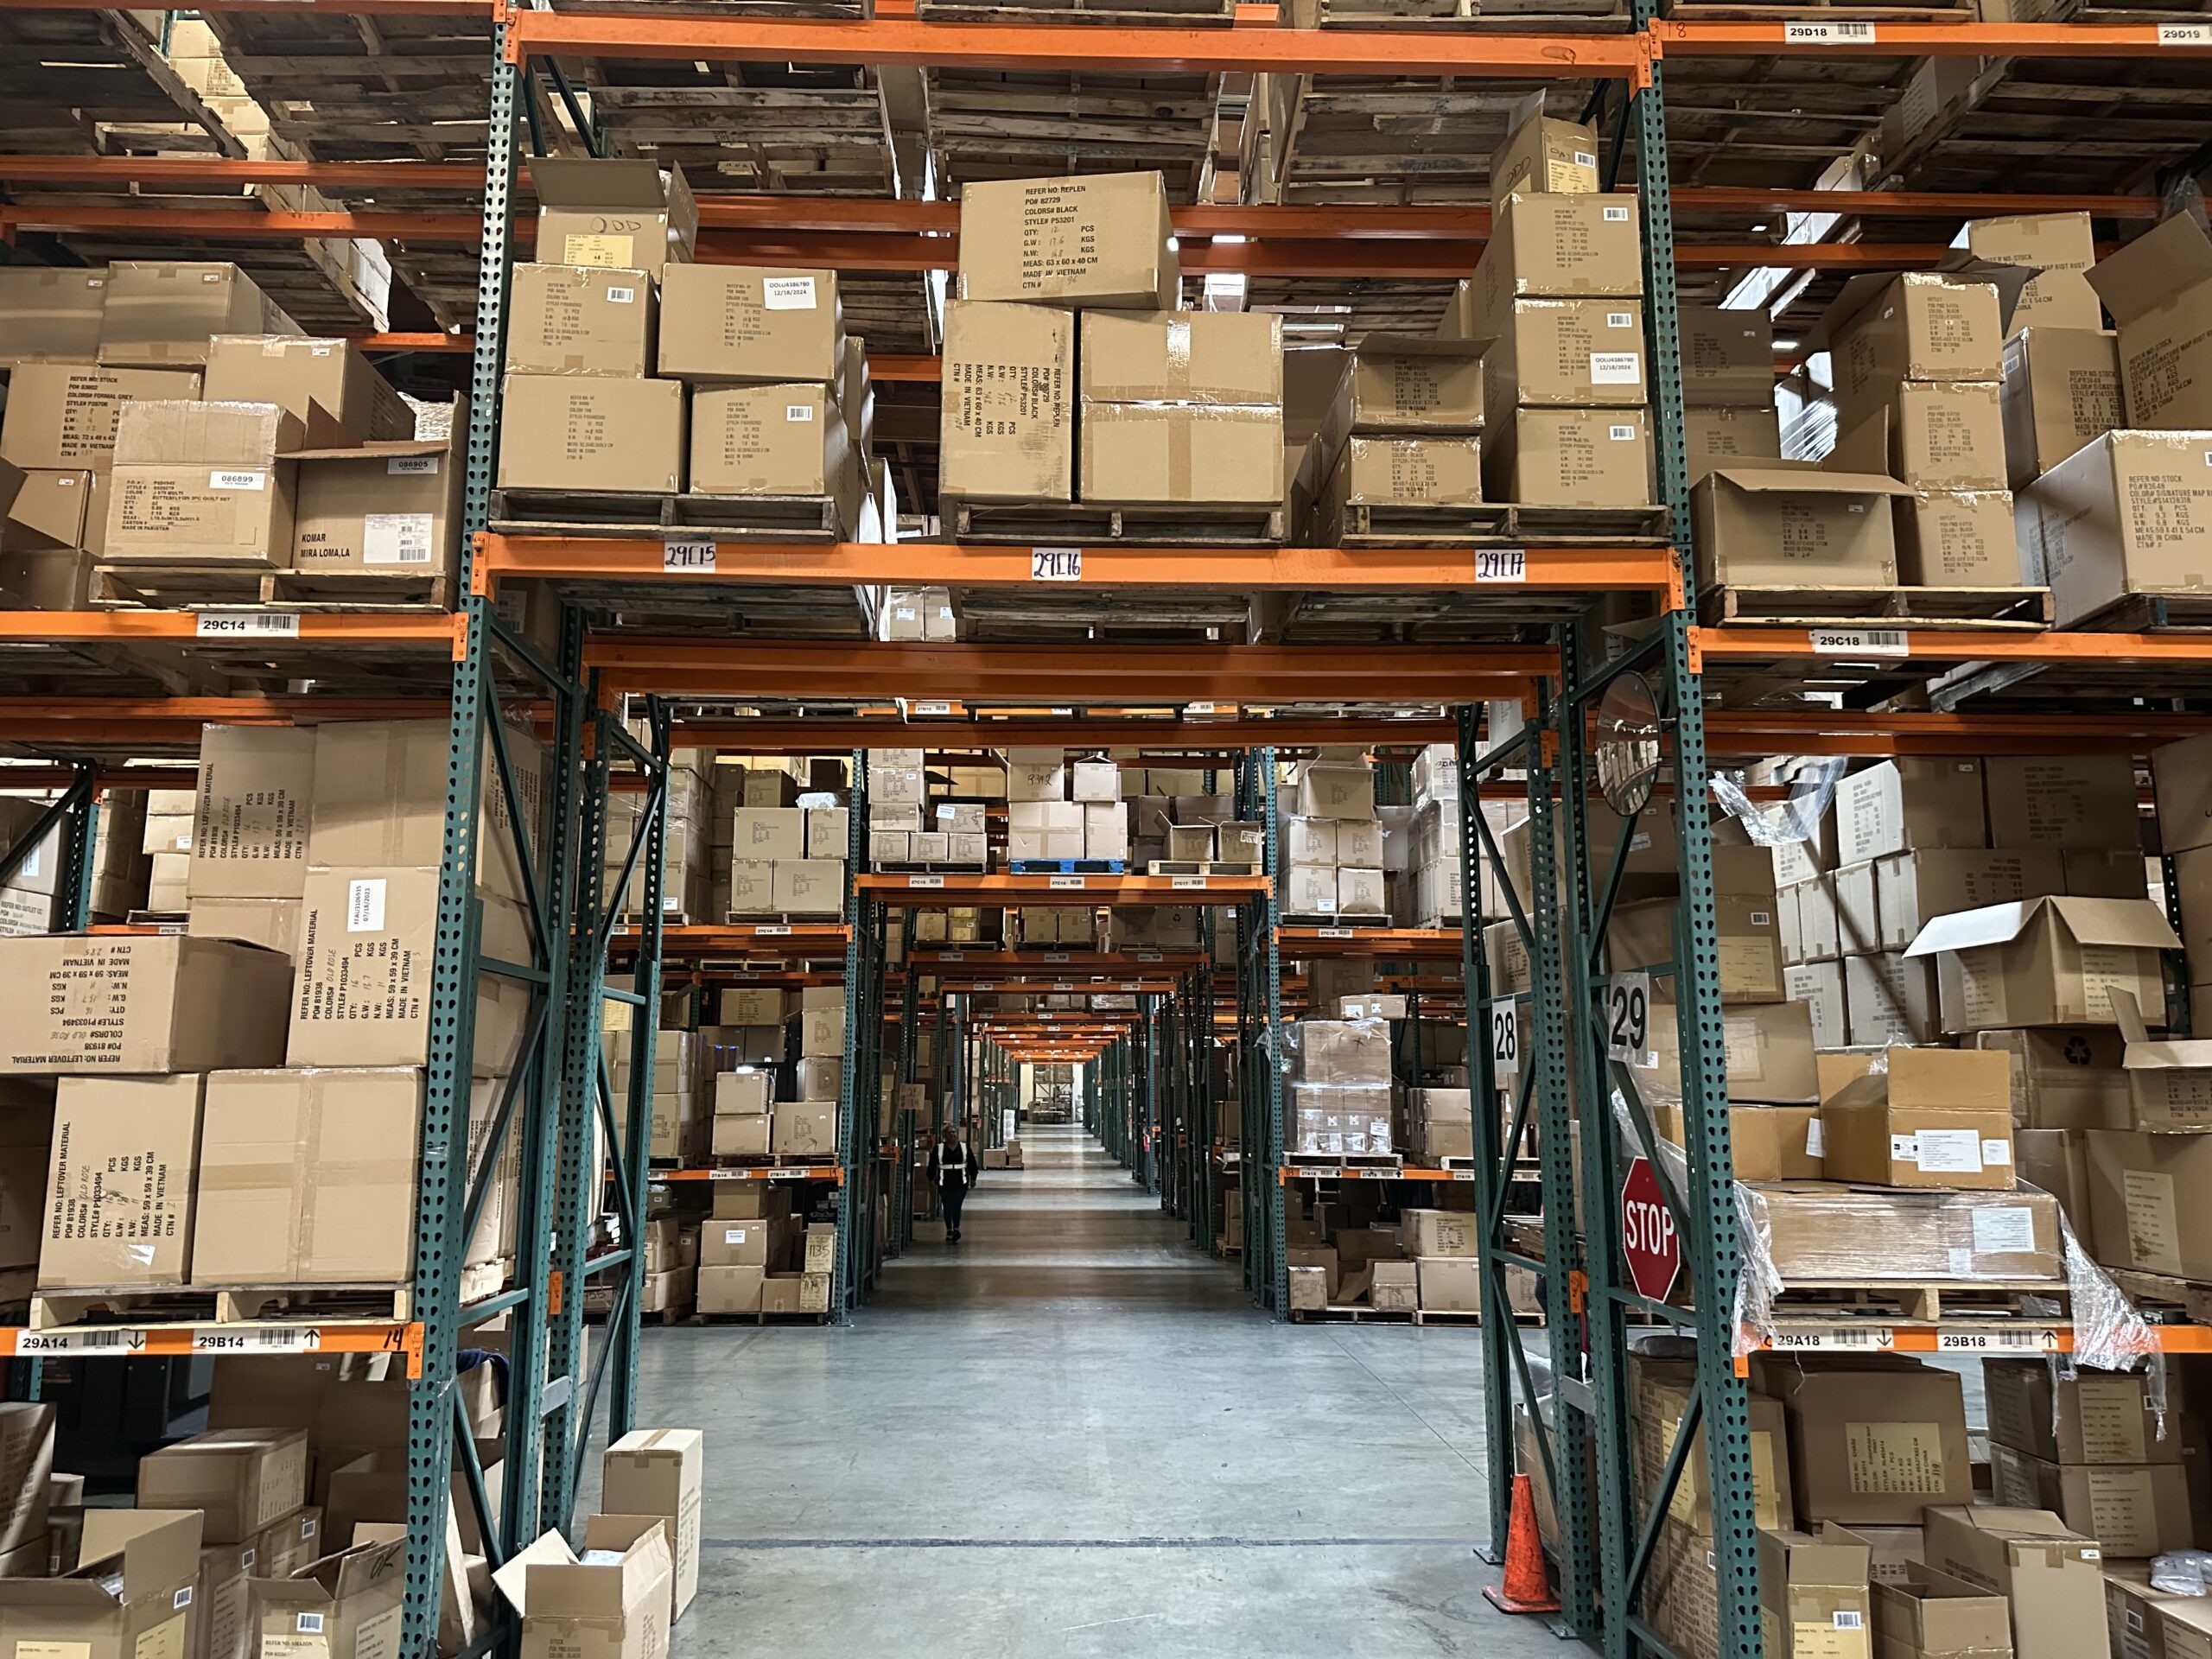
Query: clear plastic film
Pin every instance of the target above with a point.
(1349, 1052)
(1786, 822)
(1339, 1119)
(2182, 1573)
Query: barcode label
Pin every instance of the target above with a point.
(396, 538)
(1501, 564)
(772, 930)
(2185, 34)
(1334, 932)
(1862, 642)
(797, 413)
(1855, 1340)
(1150, 956)
(1621, 433)
(687, 556)
(927, 709)
(2027, 1339)
(1826, 34)
(117, 1341)
(1057, 956)
(246, 625)
(1066, 883)
(237, 481)
(621, 295)
(1188, 884)
(925, 881)
(1848, 1620)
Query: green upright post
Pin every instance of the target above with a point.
(853, 1232)
(635, 1142)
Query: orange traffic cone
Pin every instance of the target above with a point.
(1528, 1586)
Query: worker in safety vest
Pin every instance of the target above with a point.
(956, 1173)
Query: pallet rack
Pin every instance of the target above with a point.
(1605, 1541)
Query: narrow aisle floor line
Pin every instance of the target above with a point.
(1072, 1434)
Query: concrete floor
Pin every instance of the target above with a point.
(1071, 1434)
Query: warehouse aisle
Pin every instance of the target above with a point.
(1070, 1434)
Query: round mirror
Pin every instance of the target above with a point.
(1628, 744)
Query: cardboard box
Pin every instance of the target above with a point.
(2085, 801)
(1818, 988)
(144, 1005)
(62, 415)
(241, 1480)
(1142, 454)
(1930, 1615)
(1767, 1143)
(2125, 514)
(1727, 358)
(1822, 1233)
(1794, 528)
(1943, 437)
(130, 1593)
(50, 311)
(1408, 385)
(388, 509)
(581, 319)
(805, 1127)
(773, 439)
(45, 512)
(568, 433)
(380, 793)
(163, 313)
(742, 1137)
(1957, 538)
(1933, 1117)
(660, 1471)
(808, 887)
(1735, 436)
(730, 1289)
(2093, 1417)
(308, 1177)
(1576, 352)
(2159, 290)
(2062, 391)
(1549, 247)
(2181, 776)
(362, 993)
(747, 323)
(302, 375)
(1008, 430)
(119, 1179)
(2053, 1579)
(2143, 1210)
(1769, 1050)
(1104, 239)
(1814, 1598)
(1907, 803)
(1871, 1441)
(203, 481)
(1659, 1395)
(1914, 888)
(2064, 1079)
(1543, 154)
(1920, 326)
(2059, 247)
(1569, 457)
(1210, 357)
(1388, 471)
(1448, 1285)
(2053, 961)
(623, 215)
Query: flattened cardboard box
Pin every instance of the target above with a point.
(581, 319)
(745, 324)
(2128, 512)
(63, 415)
(1101, 240)
(78, 1002)
(302, 375)
(565, 433)
(1008, 429)
(1182, 357)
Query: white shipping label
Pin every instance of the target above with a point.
(1860, 642)
(1950, 1152)
(364, 905)
(411, 466)
(1616, 215)
(1621, 433)
(398, 538)
(1996, 1152)
(1620, 319)
(245, 625)
(621, 296)
(787, 293)
(2004, 1229)
(1826, 34)
(1904, 1149)
(797, 412)
(220, 480)
(1615, 368)
(1815, 1142)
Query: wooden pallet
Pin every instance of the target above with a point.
(1067, 867)
(1352, 1314)
(706, 517)
(762, 1318)
(1540, 17)
(1324, 1163)
(1201, 866)
(1496, 523)
(1913, 1301)
(991, 124)
(933, 867)
(778, 919)
(186, 587)
(1082, 526)
(1185, 14)
(2164, 1300)
(764, 11)
(1289, 920)
(1878, 11)
(1996, 609)
(805, 130)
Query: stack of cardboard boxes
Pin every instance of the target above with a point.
(687, 866)
(1177, 408)
(906, 826)
(1060, 808)
(788, 860)
(1340, 1093)
(684, 1083)
(165, 418)
(755, 1256)
(1405, 431)
(1331, 855)
(1729, 417)
(632, 371)
(1557, 296)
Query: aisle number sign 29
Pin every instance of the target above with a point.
(1628, 1018)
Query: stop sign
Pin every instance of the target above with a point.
(1654, 1250)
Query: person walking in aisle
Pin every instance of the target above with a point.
(956, 1173)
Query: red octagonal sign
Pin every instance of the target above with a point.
(1654, 1250)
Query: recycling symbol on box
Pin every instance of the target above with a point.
(2077, 1050)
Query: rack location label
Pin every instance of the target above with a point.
(1056, 564)
(1862, 642)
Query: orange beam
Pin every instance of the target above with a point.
(1167, 733)
(1766, 646)
(82, 627)
(1671, 38)
(1101, 47)
(1432, 675)
(1856, 733)
(933, 892)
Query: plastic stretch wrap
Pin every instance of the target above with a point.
(1338, 1051)
(1338, 1119)
(1820, 1233)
